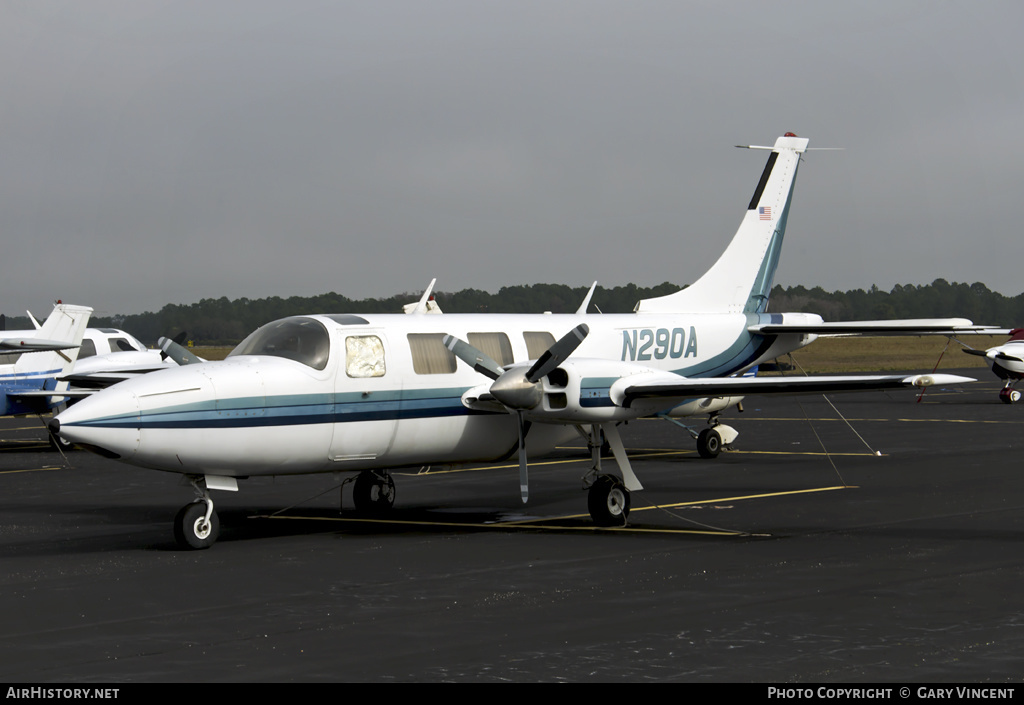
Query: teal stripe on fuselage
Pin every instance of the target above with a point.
(297, 409)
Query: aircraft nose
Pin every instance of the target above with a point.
(106, 423)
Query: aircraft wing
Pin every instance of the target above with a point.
(681, 389)
(912, 326)
(34, 345)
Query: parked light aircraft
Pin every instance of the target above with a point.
(370, 393)
(95, 341)
(106, 355)
(30, 385)
(1007, 361)
(100, 371)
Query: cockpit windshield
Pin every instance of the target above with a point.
(297, 338)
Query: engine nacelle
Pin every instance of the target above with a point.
(583, 391)
(707, 405)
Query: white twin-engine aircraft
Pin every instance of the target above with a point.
(369, 393)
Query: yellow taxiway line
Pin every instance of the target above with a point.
(52, 467)
(545, 523)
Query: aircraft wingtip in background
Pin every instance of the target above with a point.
(369, 393)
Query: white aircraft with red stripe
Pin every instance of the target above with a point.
(1007, 361)
(372, 393)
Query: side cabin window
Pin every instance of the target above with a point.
(297, 338)
(88, 348)
(429, 355)
(120, 345)
(494, 345)
(537, 343)
(364, 356)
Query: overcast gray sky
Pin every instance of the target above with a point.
(165, 152)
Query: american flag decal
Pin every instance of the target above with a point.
(766, 212)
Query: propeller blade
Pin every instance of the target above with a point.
(557, 353)
(473, 357)
(174, 350)
(524, 477)
(1007, 358)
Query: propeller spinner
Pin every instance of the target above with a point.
(516, 390)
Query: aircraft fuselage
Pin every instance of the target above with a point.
(386, 394)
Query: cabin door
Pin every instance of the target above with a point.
(366, 400)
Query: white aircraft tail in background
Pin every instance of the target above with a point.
(30, 385)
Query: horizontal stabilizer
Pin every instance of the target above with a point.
(664, 390)
(914, 326)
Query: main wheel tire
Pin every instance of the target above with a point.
(608, 501)
(373, 492)
(190, 529)
(709, 443)
(1009, 396)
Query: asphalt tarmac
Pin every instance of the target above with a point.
(801, 556)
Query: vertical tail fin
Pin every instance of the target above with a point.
(65, 323)
(741, 280)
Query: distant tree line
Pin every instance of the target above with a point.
(225, 322)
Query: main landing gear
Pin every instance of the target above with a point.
(374, 491)
(607, 497)
(716, 437)
(608, 501)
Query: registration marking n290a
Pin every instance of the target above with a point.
(658, 343)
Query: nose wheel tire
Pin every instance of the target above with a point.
(608, 501)
(191, 528)
(374, 492)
